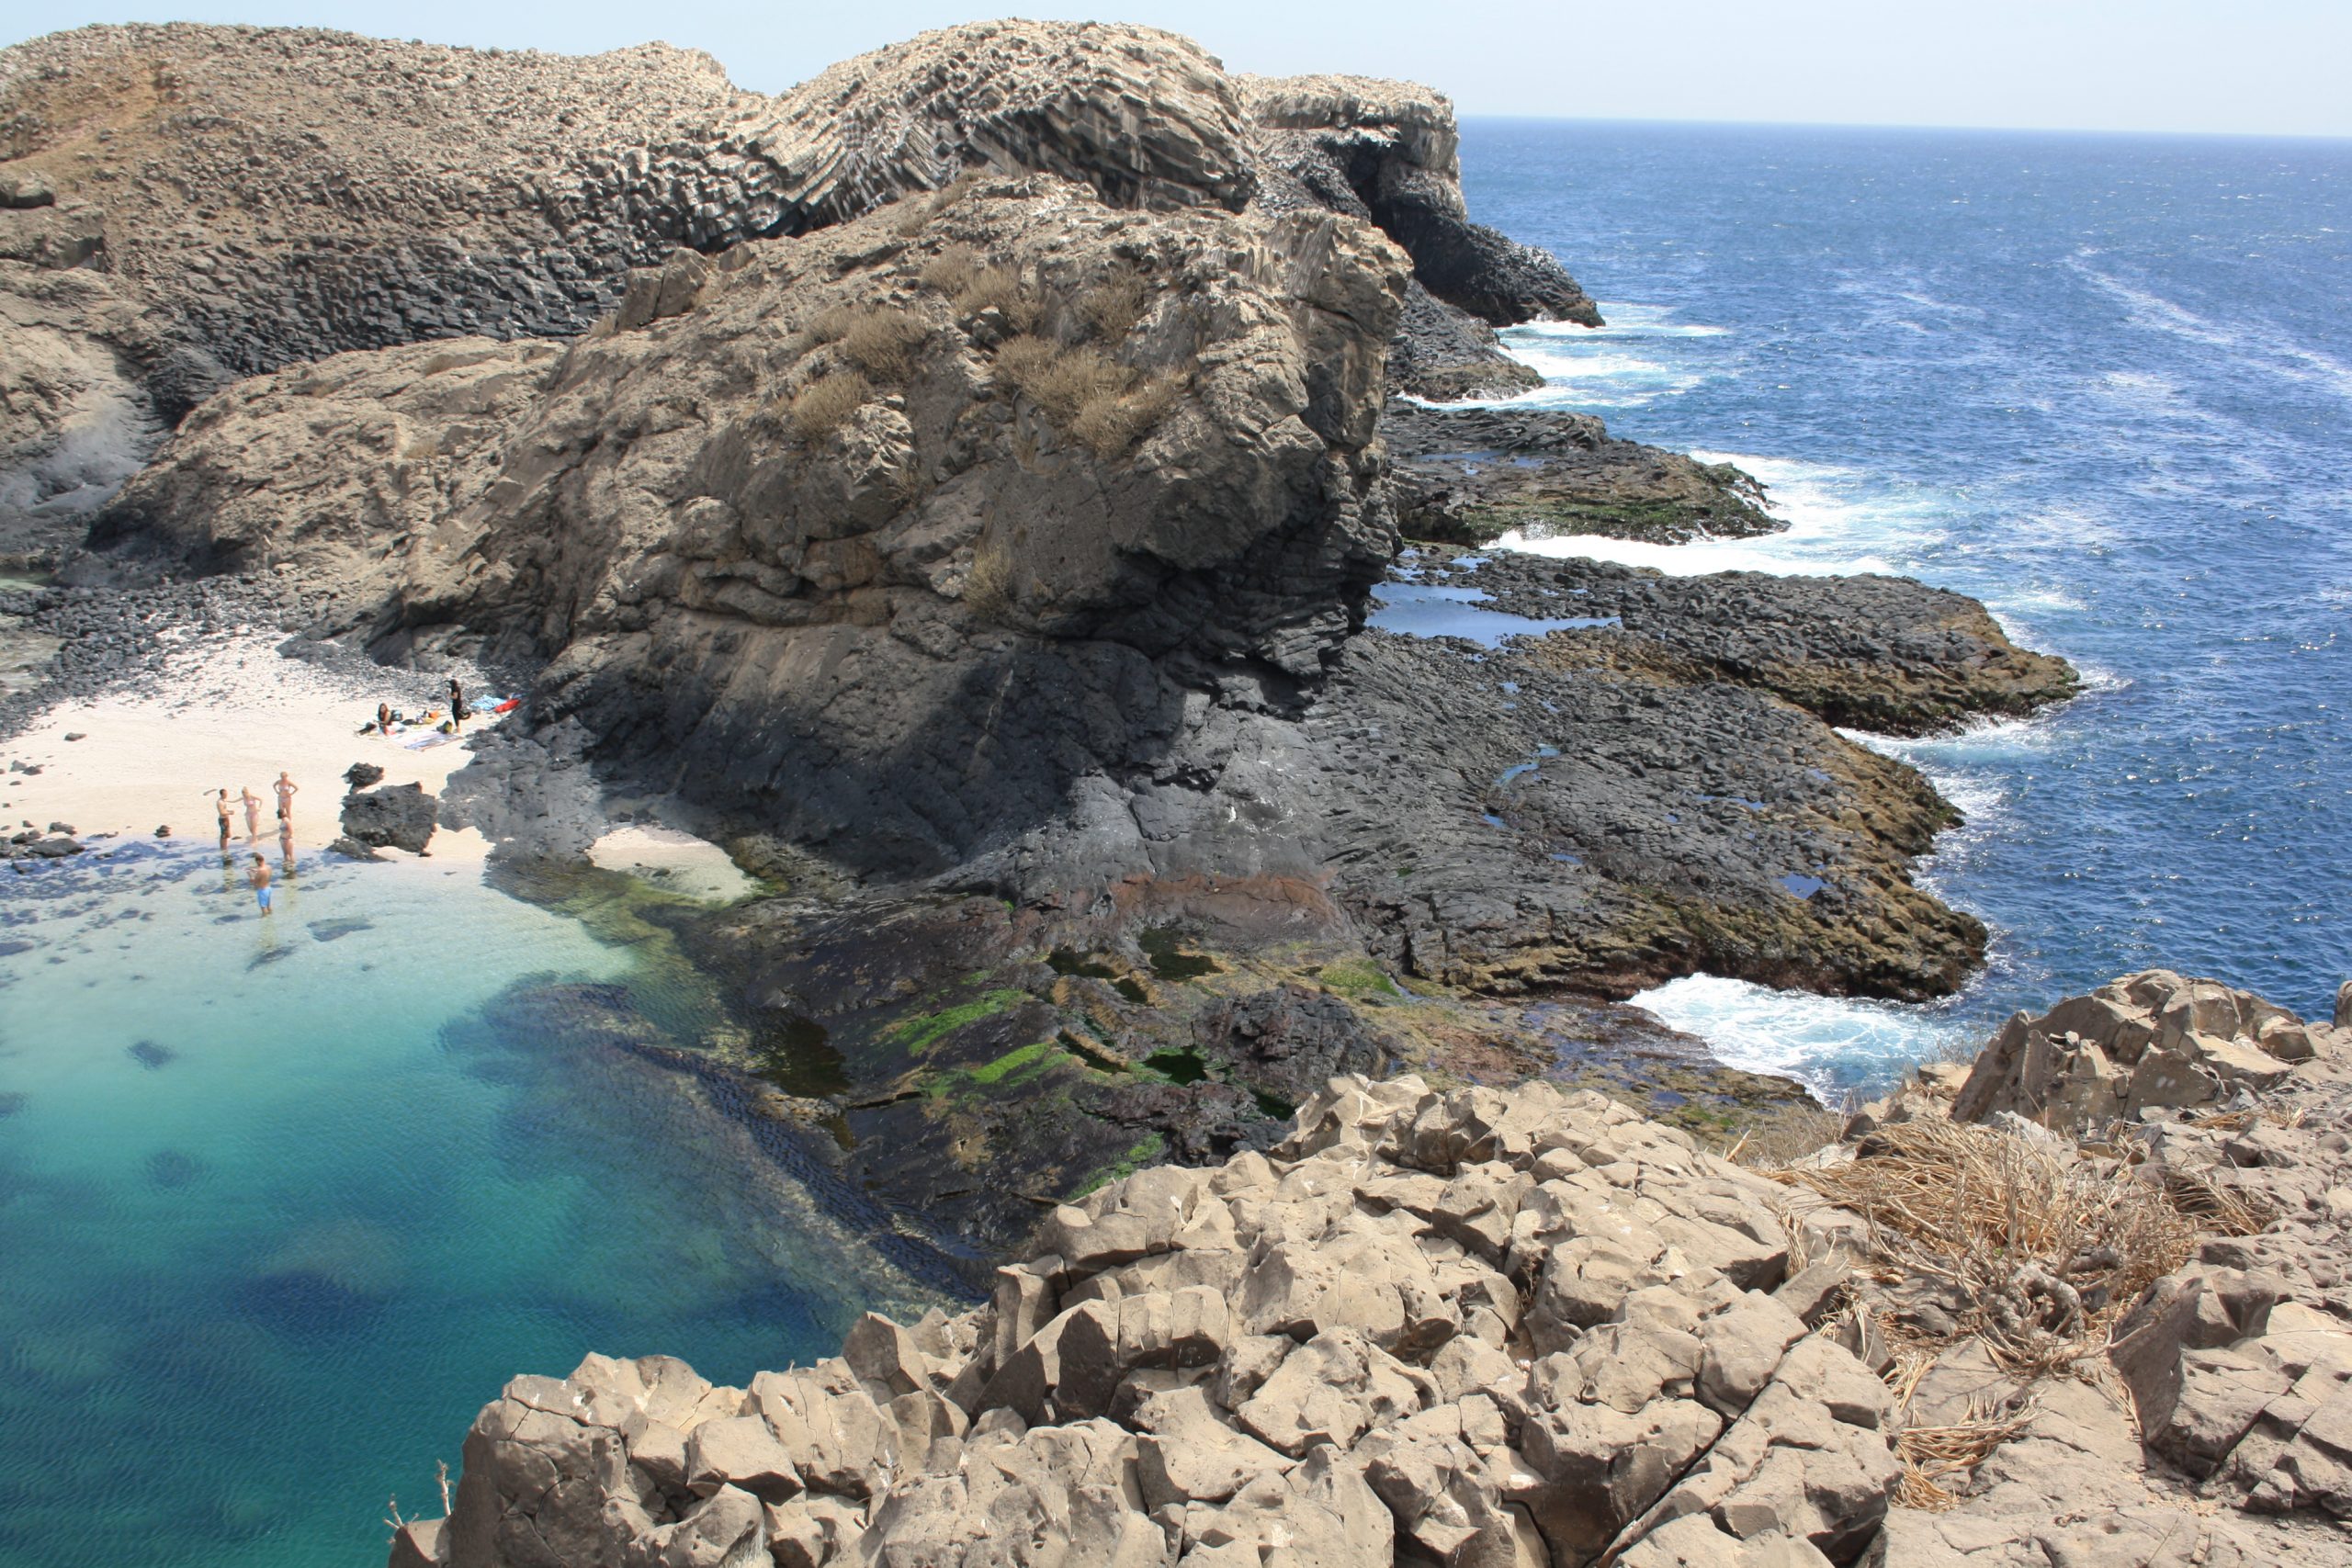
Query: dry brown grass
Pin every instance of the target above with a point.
(988, 587)
(1789, 1134)
(1114, 305)
(2050, 1248)
(1106, 405)
(879, 338)
(997, 289)
(827, 403)
(1930, 1454)
(918, 211)
(951, 270)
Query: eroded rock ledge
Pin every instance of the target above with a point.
(1531, 1328)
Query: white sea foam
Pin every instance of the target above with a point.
(1818, 1040)
(1620, 318)
(1839, 524)
(2250, 342)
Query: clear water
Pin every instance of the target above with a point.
(2103, 384)
(1444, 610)
(283, 1203)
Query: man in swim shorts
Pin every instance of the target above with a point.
(259, 877)
(285, 787)
(222, 805)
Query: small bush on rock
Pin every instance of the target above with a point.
(996, 289)
(951, 270)
(878, 339)
(1100, 401)
(1114, 307)
(826, 404)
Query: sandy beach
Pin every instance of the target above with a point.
(230, 714)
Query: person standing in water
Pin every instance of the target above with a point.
(285, 787)
(220, 805)
(252, 812)
(259, 877)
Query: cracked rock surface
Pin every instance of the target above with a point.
(1466, 1328)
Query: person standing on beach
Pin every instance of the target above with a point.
(456, 704)
(285, 787)
(259, 877)
(220, 805)
(252, 812)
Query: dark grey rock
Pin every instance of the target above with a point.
(398, 816)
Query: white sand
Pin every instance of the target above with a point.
(674, 862)
(232, 714)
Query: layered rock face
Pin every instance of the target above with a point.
(887, 534)
(1466, 1329)
(235, 199)
(1387, 151)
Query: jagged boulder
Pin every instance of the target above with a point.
(2150, 1040)
(1329, 1354)
(397, 816)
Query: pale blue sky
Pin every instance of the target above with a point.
(2253, 66)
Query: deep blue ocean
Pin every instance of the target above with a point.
(2103, 384)
(282, 1204)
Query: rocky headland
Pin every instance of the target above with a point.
(968, 487)
(2084, 1304)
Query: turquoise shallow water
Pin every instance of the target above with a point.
(282, 1204)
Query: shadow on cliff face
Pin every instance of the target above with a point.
(890, 763)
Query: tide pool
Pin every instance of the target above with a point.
(283, 1203)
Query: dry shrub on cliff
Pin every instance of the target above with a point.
(1114, 305)
(2049, 1247)
(918, 211)
(951, 270)
(997, 289)
(1098, 400)
(878, 339)
(988, 587)
(827, 403)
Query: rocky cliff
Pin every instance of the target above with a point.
(994, 554)
(233, 199)
(1530, 1328)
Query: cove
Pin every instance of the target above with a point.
(282, 1202)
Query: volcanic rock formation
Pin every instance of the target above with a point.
(233, 199)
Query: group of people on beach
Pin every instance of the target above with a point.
(387, 716)
(258, 877)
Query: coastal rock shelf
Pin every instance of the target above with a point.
(1531, 1328)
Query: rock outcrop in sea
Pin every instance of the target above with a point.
(1527, 1327)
